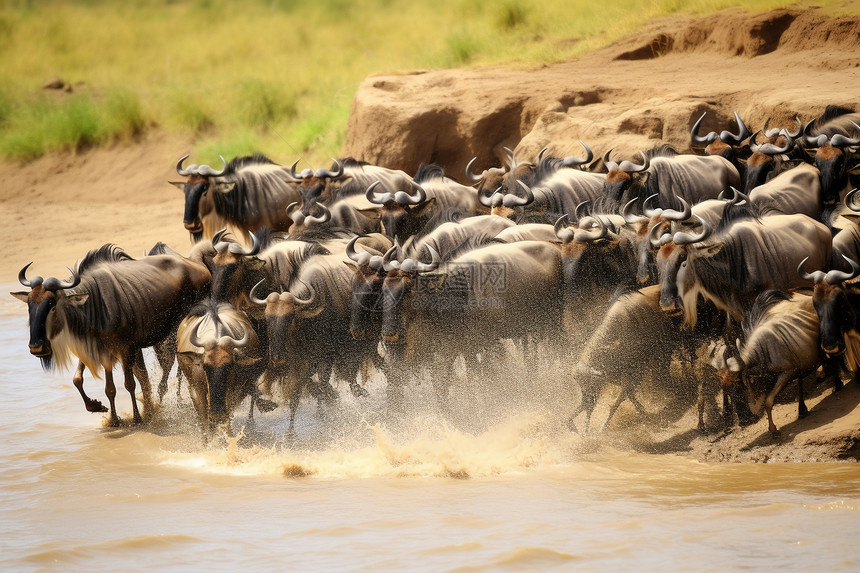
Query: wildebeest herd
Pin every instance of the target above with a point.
(741, 258)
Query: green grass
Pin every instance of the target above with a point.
(276, 76)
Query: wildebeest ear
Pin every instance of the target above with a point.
(225, 187)
(21, 295)
(711, 250)
(178, 184)
(643, 177)
(351, 265)
(77, 299)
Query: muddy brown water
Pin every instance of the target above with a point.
(354, 490)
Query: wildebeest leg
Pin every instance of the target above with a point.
(612, 410)
(142, 374)
(89, 403)
(110, 392)
(130, 385)
(784, 378)
(165, 353)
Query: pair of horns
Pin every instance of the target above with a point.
(50, 283)
(203, 170)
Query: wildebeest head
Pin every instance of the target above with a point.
(831, 159)
(303, 220)
(46, 301)
(502, 180)
(399, 283)
(508, 205)
(234, 268)
(594, 254)
(316, 185)
(766, 157)
(281, 311)
(228, 341)
(672, 258)
(836, 313)
(198, 203)
(723, 143)
(369, 274)
(624, 179)
(403, 214)
(653, 223)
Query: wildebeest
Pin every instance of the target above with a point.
(832, 135)
(733, 267)
(635, 341)
(780, 345)
(796, 190)
(500, 291)
(670, 175)
(220, 354)
(723, 143)
(248, 193)
(112, 307)
(309, 329)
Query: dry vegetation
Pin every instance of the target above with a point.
(270, 75)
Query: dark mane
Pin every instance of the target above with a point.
(320, 234)
(426, 172)
(740, 212)
(664, 150)
(108, 253)
(238, 163)
(160, 249)
(547, 166)
(831, 112)
(351, 162)
(762, 304)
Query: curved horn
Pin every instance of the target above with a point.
(813, 140)
(416, 266)
(610, 165)
(572, 161)
(358, 258)
(629, 217)
(797, 133)
(839, 140)
(564, 234)
(738, 197)
(589, 234)
(323, 173)
(403, 198)
(684, 238)
(307, 301)
(185, 172)
(194, 339)
(743, 132)
(216, 238)
(377, 198)
(487, 200)
(511, 200)
(770, 148)
(849, 200)
(74, 281)
(542, 151)
(580, 210)
(387, 263)
(22, 277)
(326, 216)
(238, 249)
(703, 140)
(207, 171)
(513, 158)
(630, 167)
(769, 132)
(471, 176)
(815, 277)
(253, 298)
(658, 241)
(648, 211)
(834, 277)
(246, 336)
(674, 215)
(293, 171)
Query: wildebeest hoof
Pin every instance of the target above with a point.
(802, 413)
(358, 391)
(95, 406)
(265, 405)
(115, 422)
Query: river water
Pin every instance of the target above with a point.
(358, 492)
